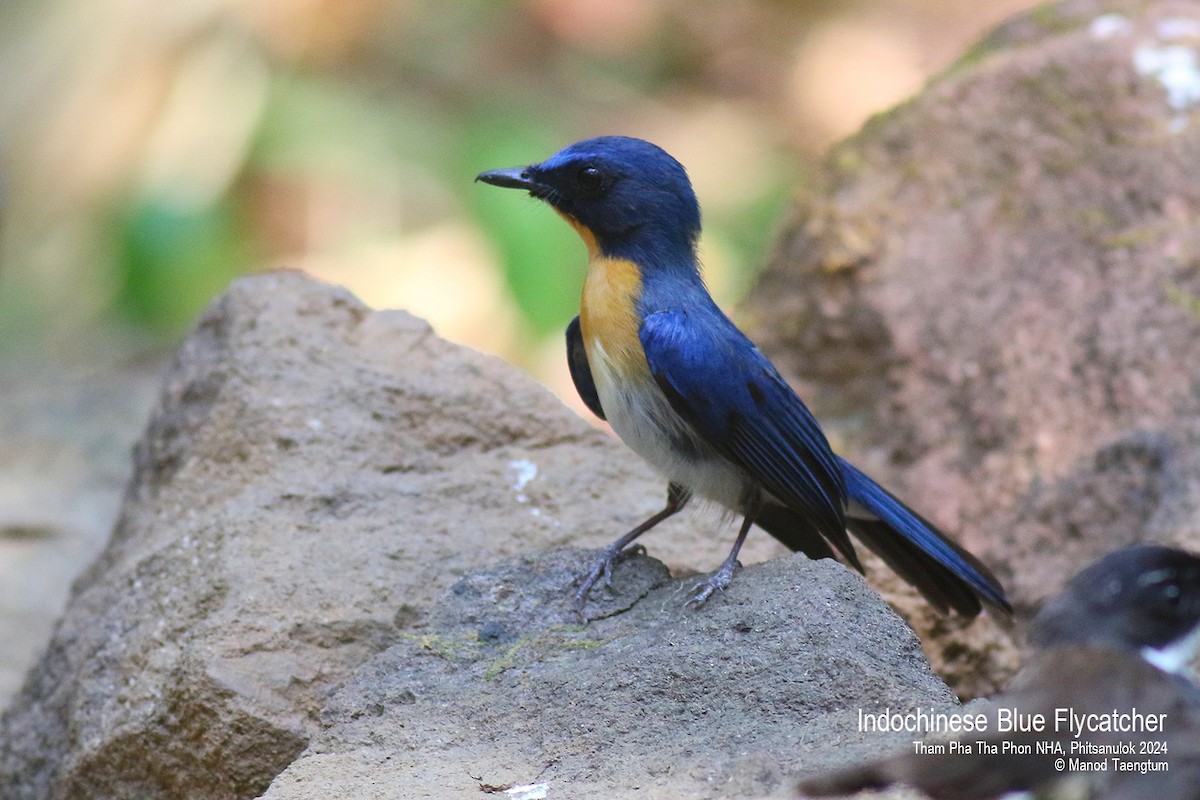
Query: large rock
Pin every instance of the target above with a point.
(312, 471)
(500, 687)
(992, 296)
(314, 476)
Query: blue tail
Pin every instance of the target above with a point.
(946, 574)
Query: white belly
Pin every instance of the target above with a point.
(640, 414)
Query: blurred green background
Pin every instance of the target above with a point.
(151, 151)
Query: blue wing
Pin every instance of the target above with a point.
(720, 383)
(581, 373)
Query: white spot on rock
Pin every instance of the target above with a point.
(526, 472)
(1107, 26)
(1176, 68)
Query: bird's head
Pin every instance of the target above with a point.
(1144, 598)
(625, 196)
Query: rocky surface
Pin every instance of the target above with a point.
(499, 687)
(992, 295)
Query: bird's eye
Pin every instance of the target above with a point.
(590, 180)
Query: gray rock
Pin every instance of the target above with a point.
(499, 686)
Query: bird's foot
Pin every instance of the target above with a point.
(603, 567)
(716, 582)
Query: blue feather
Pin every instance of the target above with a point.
(914, 548)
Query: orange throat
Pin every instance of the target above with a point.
(608, 316)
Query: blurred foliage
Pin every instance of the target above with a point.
(152, 152)
(169, 260)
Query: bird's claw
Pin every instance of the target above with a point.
(702, 591)
(603, 568)
(717, 582)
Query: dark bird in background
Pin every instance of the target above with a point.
(651, 353)
(1118, 637)
(1144, 599)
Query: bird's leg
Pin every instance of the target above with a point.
(724, 574)
(677, 498)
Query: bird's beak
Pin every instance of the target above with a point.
(512, 178)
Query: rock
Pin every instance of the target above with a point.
(312, 471)
(991, 296)
(500, 687)
(315, 474)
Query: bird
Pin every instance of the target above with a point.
(1117, 639)
(1144, 598)
(652, 354)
